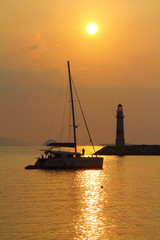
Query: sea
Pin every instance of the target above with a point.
(121, 201)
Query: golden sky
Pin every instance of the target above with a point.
(121, 62)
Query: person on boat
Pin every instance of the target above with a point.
(83, 151)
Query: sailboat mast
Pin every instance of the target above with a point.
(72, 104)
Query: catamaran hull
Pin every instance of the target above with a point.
(72, 163)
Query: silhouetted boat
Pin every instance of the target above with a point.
(52, 159)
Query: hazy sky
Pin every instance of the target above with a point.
(119, 64)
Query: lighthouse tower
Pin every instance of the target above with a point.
(120, 142)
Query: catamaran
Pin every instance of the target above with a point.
(52, 159)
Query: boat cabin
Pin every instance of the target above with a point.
(60, 154)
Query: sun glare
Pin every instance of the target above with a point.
(92, 28)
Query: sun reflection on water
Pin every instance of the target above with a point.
(90, 224)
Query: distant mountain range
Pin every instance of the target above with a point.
(13, 142)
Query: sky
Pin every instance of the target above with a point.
(118, 64)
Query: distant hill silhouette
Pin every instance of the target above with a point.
(48, 142)
(13, 142)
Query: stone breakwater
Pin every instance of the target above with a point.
(130, 150)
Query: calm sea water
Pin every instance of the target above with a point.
(38, 204)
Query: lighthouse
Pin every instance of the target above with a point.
(120, 142)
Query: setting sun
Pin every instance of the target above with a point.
(92, 28)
